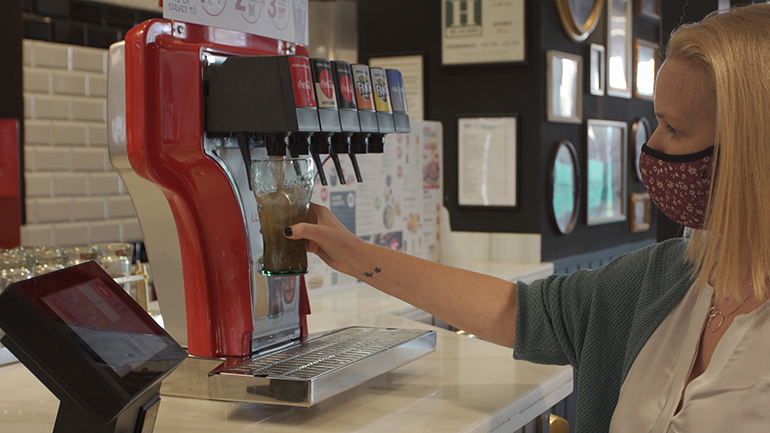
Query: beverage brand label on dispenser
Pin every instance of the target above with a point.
(363, 86)
(381, 91)
(346, 95)
(397, 91)
(324, 83)
(303, 81)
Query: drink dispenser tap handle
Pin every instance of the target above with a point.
(319, 165)
(357, 170)
(243, 144)
(337, 165)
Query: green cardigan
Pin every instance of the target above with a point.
(598, 320)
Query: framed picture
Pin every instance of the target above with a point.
(482, 31)
(648, 8)
(565, 87)
(605, 171)
(646, 63)
(640, 133)
(579, 17)
(619, 31)
(597, 72)
(564, 187)
(487, 161)
(640, 212)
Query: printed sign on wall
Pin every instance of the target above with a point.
(396, 206)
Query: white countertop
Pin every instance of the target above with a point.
(465, 385)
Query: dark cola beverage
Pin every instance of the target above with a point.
(282, 188)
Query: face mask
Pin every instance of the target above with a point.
(678, 184)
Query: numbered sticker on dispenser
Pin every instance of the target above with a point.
(363, 86)
(381, 92)
(303, 81)
(324, 83)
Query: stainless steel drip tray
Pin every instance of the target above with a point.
(319, 368)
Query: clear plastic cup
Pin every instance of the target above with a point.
(82, 254)
(282, 188)
(115, 259)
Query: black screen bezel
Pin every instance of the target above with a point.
(57, 358)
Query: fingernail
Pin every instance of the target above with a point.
(287, 231)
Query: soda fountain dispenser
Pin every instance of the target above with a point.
(190, 106)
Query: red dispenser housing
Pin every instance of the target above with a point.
(165, 133)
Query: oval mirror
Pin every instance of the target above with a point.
(579, 17)
(564, 187)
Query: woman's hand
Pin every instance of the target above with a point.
(480, 304)
(326, 237)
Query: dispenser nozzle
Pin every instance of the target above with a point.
(276, 143)
(334, 150)
(313, 150)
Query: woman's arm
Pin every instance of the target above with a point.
(477, 303)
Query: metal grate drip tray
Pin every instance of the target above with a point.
(312, 371)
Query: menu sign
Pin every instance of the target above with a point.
(396, 206)
(284, 20)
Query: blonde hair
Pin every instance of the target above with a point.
(733, 48)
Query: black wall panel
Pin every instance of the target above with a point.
(399, 27)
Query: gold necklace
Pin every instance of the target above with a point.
(715, 311)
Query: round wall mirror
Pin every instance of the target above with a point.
(640, 134)
(564, 187)
(579, 17)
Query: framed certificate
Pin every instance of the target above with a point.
(482, 31)
(487, 161)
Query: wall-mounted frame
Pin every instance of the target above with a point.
(640, 133)
(646, 63)
(579, 17)
(619, 34)
(564, 185)
(565, 87)
(597, 72)
(639, 212)
(648, 8)
(482, 31)
(488, 161)
(606, 171)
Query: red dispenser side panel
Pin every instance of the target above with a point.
(10, 201)
(164, 126)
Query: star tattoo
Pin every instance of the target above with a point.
(377, 270)
(368, 274)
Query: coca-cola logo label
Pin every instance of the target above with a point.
(304, 95)
(346, 88)
(326, 84)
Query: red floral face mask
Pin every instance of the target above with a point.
(678, 184)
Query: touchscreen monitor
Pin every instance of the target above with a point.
(85, 338)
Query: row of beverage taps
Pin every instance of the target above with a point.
(300, 106)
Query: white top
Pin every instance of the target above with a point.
(733, 394)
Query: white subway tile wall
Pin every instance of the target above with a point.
(73, 196)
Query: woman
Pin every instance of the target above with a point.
(673, 337)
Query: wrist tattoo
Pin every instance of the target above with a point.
(371, 274)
